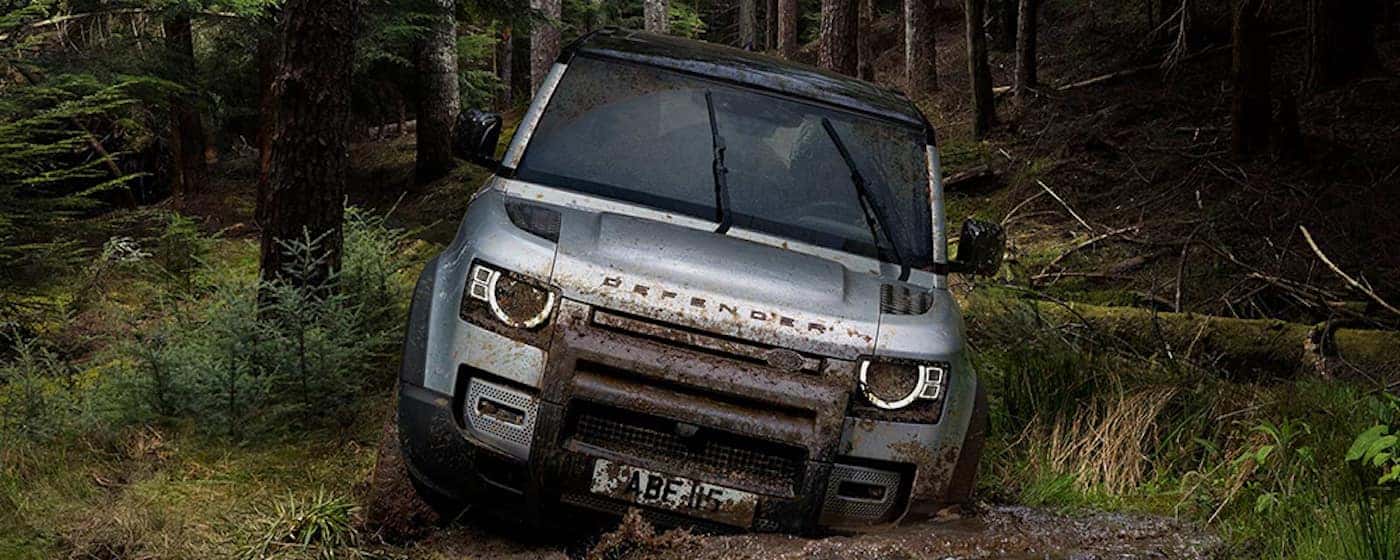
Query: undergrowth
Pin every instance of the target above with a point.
(1080, 420)
(195, 399)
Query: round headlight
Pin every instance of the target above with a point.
(514, 302)
(519, 304)
(891, 385)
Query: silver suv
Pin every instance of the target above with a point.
(704, 283)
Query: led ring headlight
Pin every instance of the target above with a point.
(515, 303)
(926, 381)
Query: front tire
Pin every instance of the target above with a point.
(964, 481)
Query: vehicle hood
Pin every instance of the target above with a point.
(716, 283)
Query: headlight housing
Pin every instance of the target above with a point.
(897, 384)
(512, 300)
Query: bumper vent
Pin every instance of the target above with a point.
(709, 455)
(501, 416)
(860, 495)
(901, 300)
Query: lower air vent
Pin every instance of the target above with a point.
(901, 300)
(502, 416)
(860, 495)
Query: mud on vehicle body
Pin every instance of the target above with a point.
(704, 283)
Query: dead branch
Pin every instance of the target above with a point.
(1350, 281)
(972, 176)
(1157, 66)
(1065, 204)
(1086, 244)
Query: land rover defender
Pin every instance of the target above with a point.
(704, 283)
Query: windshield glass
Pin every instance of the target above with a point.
(642, 134)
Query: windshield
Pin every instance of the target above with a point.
(642, 134)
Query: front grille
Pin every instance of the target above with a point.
(709, 343)
(710, 455)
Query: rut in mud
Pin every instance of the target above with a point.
(1014, 532)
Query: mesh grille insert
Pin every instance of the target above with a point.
(711, 455)
(501, 414)
(838, 508)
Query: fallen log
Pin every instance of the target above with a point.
(1237, 348)
(969, 179)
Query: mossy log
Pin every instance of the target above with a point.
(1237, 347)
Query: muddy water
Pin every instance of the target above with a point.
(998, 532)
(1012, 532)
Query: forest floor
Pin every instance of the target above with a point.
(1119, 194)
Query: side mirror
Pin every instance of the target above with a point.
(476, 136)
(980, 248)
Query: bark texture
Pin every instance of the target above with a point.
(1028, 23)
(544, 42)
(269, 60)
(187, 140)
(837, 48)
(983, 104)
(864, 40)
(787, 28)
(770, 25)
(1252, 112)
(310, 148)
(655, 15)
(440, 98)
(1341, 41)
(748, 24)
(920, 49)
(505, 50)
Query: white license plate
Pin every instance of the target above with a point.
(675, 493)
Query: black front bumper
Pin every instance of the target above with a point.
(443, 458)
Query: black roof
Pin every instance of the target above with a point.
(747, 68)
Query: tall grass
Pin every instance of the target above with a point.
(1081, 419)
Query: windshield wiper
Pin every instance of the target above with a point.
(874, 217)
(721, 172)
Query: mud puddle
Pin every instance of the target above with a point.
(1013, 532)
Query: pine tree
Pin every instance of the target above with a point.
(837, 47)
(310, 154)
(439, 99)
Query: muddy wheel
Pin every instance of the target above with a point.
(396, 507)
(964, 481)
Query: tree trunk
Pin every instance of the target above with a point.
(440, 98)
(1007, 25)
(187, 141)
(544, 42)
(920, 49)
(269, 57)
(505, 67)
(770, 25)
(837, 47)
(1341, 41)
(748, 24)
(1026, 75)
(656, 15)
(1252, 113)
(787, 28)
(983, 104)
(864, 38)
(310, 152)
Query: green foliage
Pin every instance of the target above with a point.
(319, 526)
(35, 393)
(1378, 449)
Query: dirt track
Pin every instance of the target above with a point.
(998, 532)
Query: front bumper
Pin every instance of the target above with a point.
(781, 436)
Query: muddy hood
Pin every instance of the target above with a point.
(716, 283)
